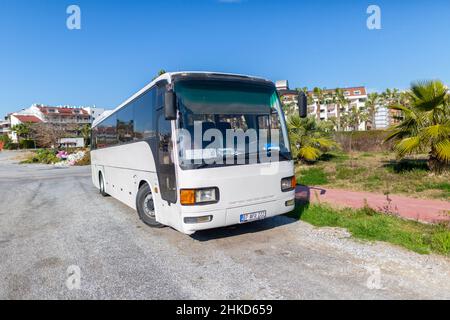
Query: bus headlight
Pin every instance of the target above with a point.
(288, 184)
(190, 197)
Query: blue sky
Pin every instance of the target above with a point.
(122, 44)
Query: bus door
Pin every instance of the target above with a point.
(165, 158)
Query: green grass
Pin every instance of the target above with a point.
(367, 155)
(442, 186)
(347, 173)
(376, 172)
(312, 177)
(336, 157)
(370, 225)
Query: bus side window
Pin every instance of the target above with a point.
(144, 109)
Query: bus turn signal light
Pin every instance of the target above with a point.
(201, 196)
(187, 197)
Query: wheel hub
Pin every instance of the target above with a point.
(149, 207)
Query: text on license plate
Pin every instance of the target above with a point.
(247, 217)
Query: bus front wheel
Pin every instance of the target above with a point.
(146, 207)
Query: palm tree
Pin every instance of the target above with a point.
(22, 130)
(371, 107)
(160, 72)
(85, 132)
(425, 125)
(321, 98)
(340, 100)
(309, 140)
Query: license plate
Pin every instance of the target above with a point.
(248, 217)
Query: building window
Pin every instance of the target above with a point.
(358, 92)
(346, 93)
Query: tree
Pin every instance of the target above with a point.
(425, 124)
(321, 99)
(85, 132)
(356, 117)
(22, 130)
(340, 101)
(372, 107)
(47, 135)
(309, 140)
(160, 73)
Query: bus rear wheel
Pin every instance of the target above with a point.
(101, 183)
(146, 207)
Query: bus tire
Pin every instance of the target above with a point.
(101, 183)
(146, 207)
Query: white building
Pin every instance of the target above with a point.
(94, 112)
(382, 118)
(356, 97)
(71, 142)
(16, 119)
(5, 127)
(56, 115)
(62, 114)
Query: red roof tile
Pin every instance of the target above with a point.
(25, 118)
(63, 111)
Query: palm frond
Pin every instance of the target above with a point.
(436, 132)
(428, 94)
(443, 151)
(309, 153)
(408, 146)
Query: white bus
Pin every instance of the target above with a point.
(155, 152)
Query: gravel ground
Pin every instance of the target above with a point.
(52, 218)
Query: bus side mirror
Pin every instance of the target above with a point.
(302, 105)
(170, 106)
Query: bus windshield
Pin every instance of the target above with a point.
(224, 123)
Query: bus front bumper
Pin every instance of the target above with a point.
(232, 216)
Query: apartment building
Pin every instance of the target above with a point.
(59, 115)
(62, 115)
(324, 108)
(5, 126)
(289, 98)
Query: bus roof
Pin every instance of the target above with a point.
(169, 76)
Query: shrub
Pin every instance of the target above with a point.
(26, 144)
(12, 146)
(45, 156)
(5, 139)
(407, 166)
(364, 141)
(85, 161)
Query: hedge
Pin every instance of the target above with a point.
(365, 141)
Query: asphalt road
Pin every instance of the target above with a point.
(51, 219)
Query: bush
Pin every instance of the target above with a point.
(364, 141)
(12, 146)
(26, 144)
(85, 161)
(45, 156)
(5, 139)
